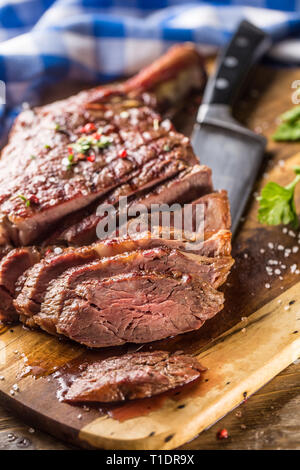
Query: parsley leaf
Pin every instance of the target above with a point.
(289, 128)
(277, 204)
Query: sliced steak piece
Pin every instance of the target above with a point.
(107, 134)
(216, 211)
(214, 243)
(12, 266)
(133, 307)
(189, 184)
(132, 376)
(214, 215)
(51, 267)
(160, 260)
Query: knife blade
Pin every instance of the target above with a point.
(233, 152)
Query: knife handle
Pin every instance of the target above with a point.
(246, 47)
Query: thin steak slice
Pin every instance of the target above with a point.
(12, 266)
(132, 376)
(189, 184)
(216, 211)
(132, 307)
(210, 244)
(44, 278)
(63, 156)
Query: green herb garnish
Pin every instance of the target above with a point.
(289, 128)
(84, 144)
(103, 142)
(277, 204)
(33, 157)
(24, 199)
(47, 146)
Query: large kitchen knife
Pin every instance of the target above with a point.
(232, 151)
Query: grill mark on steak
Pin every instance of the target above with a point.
(178, 305)
(80, 228)
(61, 191)
(185, 186)
(89, 181)
(132, 376)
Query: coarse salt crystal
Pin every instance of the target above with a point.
(284, 230)
(286, 307)
(277, 271)
(262, 250)
(267, 285)
(245, 255)
(1, 377)
(58, 250)
(292, 234)
(15, 387)
(293, 268)
(280, 247)
(295, 249)
(271, 245)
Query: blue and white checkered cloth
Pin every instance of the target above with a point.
(45, 41)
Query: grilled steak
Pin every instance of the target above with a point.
(64, 160)
(130, 307)
(132, 376)
(63, 156)
(29, 300)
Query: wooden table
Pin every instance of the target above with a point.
(270, 419)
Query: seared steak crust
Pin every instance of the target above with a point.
(63, 156)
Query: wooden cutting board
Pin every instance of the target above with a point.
(247, 344)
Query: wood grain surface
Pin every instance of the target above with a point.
(270, 418)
